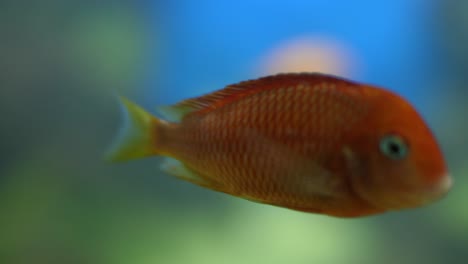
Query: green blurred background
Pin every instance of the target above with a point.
(63, 62)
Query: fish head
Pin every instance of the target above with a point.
(395, 159)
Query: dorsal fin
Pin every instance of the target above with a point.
(236, 91)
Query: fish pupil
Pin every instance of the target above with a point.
(395, 148)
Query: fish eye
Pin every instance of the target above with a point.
(394, 147)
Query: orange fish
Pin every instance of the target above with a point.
(308, 142)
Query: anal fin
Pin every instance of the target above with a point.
(179, 170)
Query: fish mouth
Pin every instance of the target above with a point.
(435, 192)
(443, 186)
(415, 197)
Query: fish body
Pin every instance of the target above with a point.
(308, 142)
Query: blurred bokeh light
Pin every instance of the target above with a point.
(63, 62)
(311, 54)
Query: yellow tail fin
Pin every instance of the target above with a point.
(137, 135)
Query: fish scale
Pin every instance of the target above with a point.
(266, 121)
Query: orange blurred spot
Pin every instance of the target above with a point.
(310, 54)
